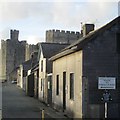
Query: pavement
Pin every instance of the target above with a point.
(15, 104)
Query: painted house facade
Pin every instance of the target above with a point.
(77, 69)
(31, 77)
(23, 69)
(22, 73)
(46, 50)
(35, 72)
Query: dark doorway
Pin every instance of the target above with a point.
(30, 85)
(49, 97)
(37, 82)
(64, 91)
(36, 78)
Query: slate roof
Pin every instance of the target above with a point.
(78, 45)
(35, 67)
(50, 49)
(27, 64)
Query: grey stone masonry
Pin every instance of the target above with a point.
(57, 36)
(13, 53)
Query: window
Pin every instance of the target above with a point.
(50, 82)
(118, 42)
(24, 73)
(41, 65)
(57, 85)
(72, 86)
(41, 84)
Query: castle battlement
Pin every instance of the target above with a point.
(14, 34)
(62, 36)
(24, 42)
(62, 32)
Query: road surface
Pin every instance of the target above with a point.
(15, 104)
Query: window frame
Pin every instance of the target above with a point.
(41, 65)
(71, 87)
(41, 84)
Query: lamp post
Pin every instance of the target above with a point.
(105, 109)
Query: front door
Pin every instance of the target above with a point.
(49, 97)
(64, 91)
(30, 85)
(37, 82)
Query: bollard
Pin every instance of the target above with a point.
(43, 116)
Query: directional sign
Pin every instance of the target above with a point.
(106, 83)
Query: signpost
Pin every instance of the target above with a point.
(106, 83)
(106, 98)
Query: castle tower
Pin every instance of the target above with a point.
(3, 59)
(13, 53)
(29, 50)
(14, 34)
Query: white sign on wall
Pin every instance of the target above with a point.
(106, 83)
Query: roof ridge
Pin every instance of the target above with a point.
(82, 41)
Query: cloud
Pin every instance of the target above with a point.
(72, 14)
(34, 39)
(119, 8)
(5, 32)
(38, 16)
(59, 12)
(12, 11)
(45, 10)
(59, 1)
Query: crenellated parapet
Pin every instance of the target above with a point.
(62, 36)
(14, 34)
(62, 32)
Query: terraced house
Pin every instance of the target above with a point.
(46, 50)
(78, 68)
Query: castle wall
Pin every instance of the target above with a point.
(57, 36)
(0, 64)
(3, 60)
(13, 53)
(29, 50)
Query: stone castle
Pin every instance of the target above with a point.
(57, 36)
(15, 52)
(62, 36)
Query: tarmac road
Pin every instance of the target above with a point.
(15, 104)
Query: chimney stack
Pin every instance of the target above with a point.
(86, 28)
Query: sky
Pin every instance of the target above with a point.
(33, 17)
